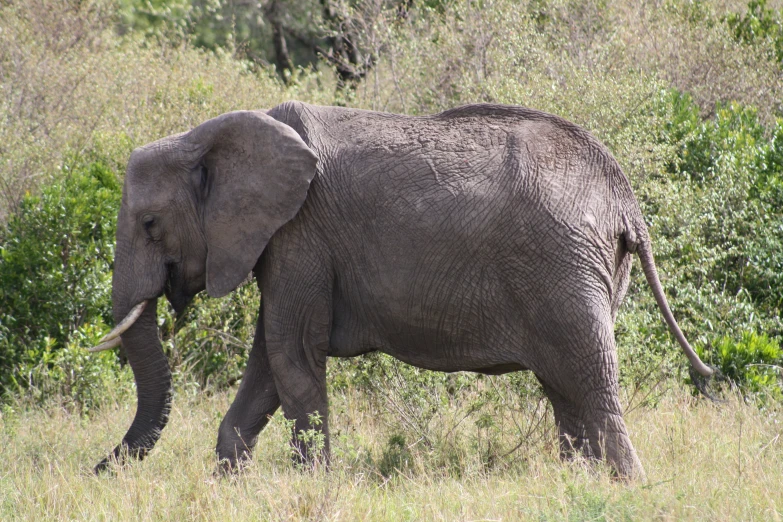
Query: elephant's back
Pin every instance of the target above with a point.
(472, 167)
(483, 157)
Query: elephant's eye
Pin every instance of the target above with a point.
(149, 222)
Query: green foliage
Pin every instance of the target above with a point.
(753, 362)
(396, 457)
(208, 24)
(159, 18)
(758, 24)
(73, 377)
(247, 30)
(210, 342)
(313, 439)
(726, 228)
(55, 264)
(715, 216)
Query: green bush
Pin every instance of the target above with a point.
(722, 220)
(71, 376)
(213, 337)
(753, 362)
(396, 457)
(716, 218)
(758, 24)
(55, 264)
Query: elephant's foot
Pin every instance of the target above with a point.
(614, 445)
(590, 425)
(106, 466)
(120, 457)
(621, 456)
(233, 452)
(230, 467)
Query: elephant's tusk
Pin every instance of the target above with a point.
(108, 345)
(125, 323)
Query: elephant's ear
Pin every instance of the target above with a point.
(255, 175)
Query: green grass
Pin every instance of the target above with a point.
(703, 461)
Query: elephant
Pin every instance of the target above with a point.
(486, 238)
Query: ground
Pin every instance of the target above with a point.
(704, 461)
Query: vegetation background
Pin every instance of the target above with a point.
(687, 94)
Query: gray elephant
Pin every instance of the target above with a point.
(486, 238)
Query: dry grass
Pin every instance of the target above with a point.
(703, 462)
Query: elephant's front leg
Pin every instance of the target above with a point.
(256, 401)
(297, 333)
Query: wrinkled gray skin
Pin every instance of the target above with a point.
(487, 238)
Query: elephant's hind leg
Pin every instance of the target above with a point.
(256, 401)
(601, 411)
(608, 435)
(582, 383)
(570, 428)
(589, 419)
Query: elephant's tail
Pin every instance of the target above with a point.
(644, 249)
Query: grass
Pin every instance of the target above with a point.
(704, 461)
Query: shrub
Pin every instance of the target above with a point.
(213, 337)
(71, 376)
(396, 457)
(758, 24)
(55, 264)
(753, 362)
(719, 215)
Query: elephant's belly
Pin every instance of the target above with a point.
(443, 358)
(500, 369)
(432, 343)
(481, 359)
(456, 316)
(452, 364)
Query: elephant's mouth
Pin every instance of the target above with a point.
(176, 289)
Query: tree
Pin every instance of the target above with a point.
(286, 33)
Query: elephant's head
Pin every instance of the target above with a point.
(197, 211)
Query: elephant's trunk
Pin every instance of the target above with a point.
(153, 388)
(138, 278)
